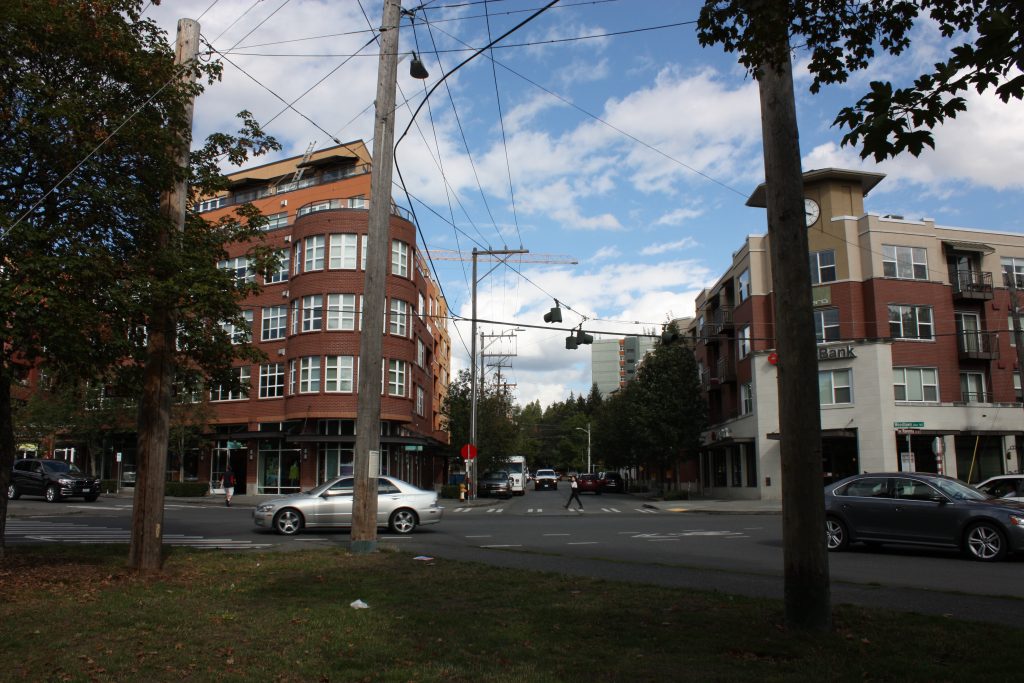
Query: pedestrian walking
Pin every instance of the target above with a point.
(574, 493)
(229, 485)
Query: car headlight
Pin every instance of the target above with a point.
(264, 507)
(65, 482)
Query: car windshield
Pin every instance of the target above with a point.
(495, 475)
(60, 467)
(545, 473)
(957, 490)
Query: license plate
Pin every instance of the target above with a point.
(86, 490)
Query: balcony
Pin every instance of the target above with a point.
(726, 370)
(971, 285)
(268, 189)
(718, 320)
(974, 345)
(348, 203)
(975, 397)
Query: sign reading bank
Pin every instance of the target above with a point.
(836, 352)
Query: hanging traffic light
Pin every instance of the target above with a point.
(554, 315)
(584, 338)
(570, 342)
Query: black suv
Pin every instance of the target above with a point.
(52, 479)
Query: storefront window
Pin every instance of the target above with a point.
(278, 467)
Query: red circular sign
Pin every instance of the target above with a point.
(468, 451)
(773, 358)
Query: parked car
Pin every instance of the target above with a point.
(496, 483)
(921, 509)
(52, 479)
(545, 479)
(1009, 486)
(589, 483)
(401, 507)
(612, 481)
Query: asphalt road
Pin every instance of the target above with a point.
(616, 537)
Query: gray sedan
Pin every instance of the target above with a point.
(911, 508)
(400, 506)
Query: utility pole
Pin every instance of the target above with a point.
(806, 578)
(587, 430)
(505, 253)
(366, 460)
(145, 553)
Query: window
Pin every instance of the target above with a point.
(910, 322)
(272, 380)
(743, 286)
(297, 258)
(341, 311)
(275, 321)
(906, 263)
(834, 387)
(223, 392)
(343, 251)
(419, 400)
(396, 378)
(399, 258)
(1018, 394)
(743, 342)
(421, 353)
(826, 324)
(309, 374)
(972, 387)
(312, 313)
(239, 268)
(292, 375)
(277, 220)
(280, 274)
(338, 373)
(1013, 266)
(746, 398)
(295, 316)
(419, 306)
(399, 318)
(1009, 328)
(823, 266)
(916, 384)
(239, 333)
(314, 253)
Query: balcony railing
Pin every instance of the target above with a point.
(348, 203)
(718, 320)
(971, 285)
(976, 397)
(271, 190)
(726, 369)
(978, 345)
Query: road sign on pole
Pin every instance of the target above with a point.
(468, 452)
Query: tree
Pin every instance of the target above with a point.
(89, 113)
(497, 433)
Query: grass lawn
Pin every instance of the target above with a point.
(73, 613)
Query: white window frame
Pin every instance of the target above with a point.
(277, 220)
(397, 373)
(314, 245)
(399, 258)
(900, 310)
(420, 400)
(220, 393)
(240, 269)
(827, 383)
(743, 286)
(313, 313)
(275, 323)
(421, 353)
(1013, 264)
(966, 390)
(239, 334)
(309, 375)
(339, 374)
(822, 325)
(341, 312)
(272, 380)
(297, 258)
(746, 398)
(344, 251)
(399, 318)
(293, 374)
(904, 262)
(743, 346)
(915, 385)
(281, 274)
(819, 269)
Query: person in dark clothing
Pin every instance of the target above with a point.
(574, 493)
(229, 485)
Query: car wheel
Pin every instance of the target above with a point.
(91, 499)
(836, 536)
(402, 521)
(12, 492)
(52, 494)
(985, 542)
(288, 522)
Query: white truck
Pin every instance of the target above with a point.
(516, 467)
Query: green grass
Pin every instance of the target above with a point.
(75, 614)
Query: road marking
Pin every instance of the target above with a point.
(535, 510)
(582, 543)
(557, 534)
(496, 511)
(462, 509)
(498, 545)
(78, 533)
(480, 536)
(92, 507)
(610, 510)
(646, 511)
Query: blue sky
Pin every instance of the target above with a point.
(633, 154)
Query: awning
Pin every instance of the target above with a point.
(834, 433)
(956, 245)
(331, 160)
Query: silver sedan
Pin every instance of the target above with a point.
(400, 506)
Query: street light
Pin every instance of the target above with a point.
(587, 430)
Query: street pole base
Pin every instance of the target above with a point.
(363, 547)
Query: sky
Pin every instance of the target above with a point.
(622, 163)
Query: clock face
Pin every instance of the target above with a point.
(811, 211)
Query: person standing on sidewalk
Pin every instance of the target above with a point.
(229, 485)
(574, 493)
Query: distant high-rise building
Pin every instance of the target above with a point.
(613, 362)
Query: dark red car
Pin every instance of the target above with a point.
(589, 483)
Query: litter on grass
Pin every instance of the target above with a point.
(359, 604)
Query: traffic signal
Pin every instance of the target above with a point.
(554, 315)
(570, 342)
(584, 338)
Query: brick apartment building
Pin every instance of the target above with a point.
(916, 362)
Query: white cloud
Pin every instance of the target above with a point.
(655, 249)
(678, 216)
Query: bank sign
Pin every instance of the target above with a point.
(836, 352)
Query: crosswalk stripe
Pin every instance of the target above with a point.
(76, 533)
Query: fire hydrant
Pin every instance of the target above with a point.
(462, 492)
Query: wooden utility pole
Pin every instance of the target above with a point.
(146, 550)
(806, 577)
(366, 461)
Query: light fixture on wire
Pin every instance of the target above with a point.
(416, 69)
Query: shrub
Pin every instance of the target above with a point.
(187, 489)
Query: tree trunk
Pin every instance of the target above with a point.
(6, 450)
(807, 597)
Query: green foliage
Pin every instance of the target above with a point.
(842, 37)
(497, 433)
